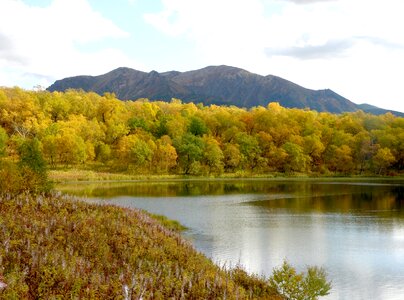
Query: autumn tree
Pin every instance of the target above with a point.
(341, 159)
(296, 159)
(3, 141)
(165, 156)
(103, 152)
(231, 157)
(383, 159)
(314, 148)
(213, 155)
(71, 149)
(135, 151)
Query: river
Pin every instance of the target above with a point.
(352, 228)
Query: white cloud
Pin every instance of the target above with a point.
(222, 30)
(355, 47)
(44, 44)
(308, 1)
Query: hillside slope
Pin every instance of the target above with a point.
(211, 85)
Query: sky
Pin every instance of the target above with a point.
(354, 47)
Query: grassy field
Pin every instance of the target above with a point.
(71, 175)
(57, 247)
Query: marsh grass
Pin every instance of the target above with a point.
(57, 247)
(73, 175)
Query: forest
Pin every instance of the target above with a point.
(88, 131)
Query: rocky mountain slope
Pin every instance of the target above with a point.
(211, 85)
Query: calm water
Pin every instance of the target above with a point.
(353, 229)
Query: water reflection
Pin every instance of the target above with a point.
(354, 229)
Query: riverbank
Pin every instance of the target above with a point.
(78, 175)
(60, 247)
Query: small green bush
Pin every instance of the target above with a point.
(29, 174)
(299, 286)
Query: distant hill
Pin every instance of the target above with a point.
(212, 85)
(377, 110)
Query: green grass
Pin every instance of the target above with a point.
(57, 247)
(168, 223)
(76, 175)
(73, 175)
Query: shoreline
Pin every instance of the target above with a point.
(87, 176)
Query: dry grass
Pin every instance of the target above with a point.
(56, 247)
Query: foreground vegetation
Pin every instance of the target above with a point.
(55, 247)
(104, 134)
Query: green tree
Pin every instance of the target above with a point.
(296, 160)
(134, 123)
(103, 152)
(33, 166)
(190, 151)
(160, 128)
(141, 153)
(299, 286)
(136, 151)
(363, 149)
(197, 126)
(249, 149)
(50, 149)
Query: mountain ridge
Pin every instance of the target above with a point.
(221, 85)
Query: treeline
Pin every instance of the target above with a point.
(143, 137)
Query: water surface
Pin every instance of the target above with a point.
(354, 229)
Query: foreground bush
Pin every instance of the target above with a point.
(29, 174)
(59, 248)
(299, 286)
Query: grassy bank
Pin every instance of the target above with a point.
(59, 248)
(75, 175)
(72, 175)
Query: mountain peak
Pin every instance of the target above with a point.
(122, 70)
(154, 73)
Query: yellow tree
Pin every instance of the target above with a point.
(383, 159)
(231, 157)
(314, 148)
(165, 156)
(71, 149)
(213, 155)
(341, 159)
(3, 141)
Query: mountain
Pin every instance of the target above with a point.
(211, 85)
(377, 110)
